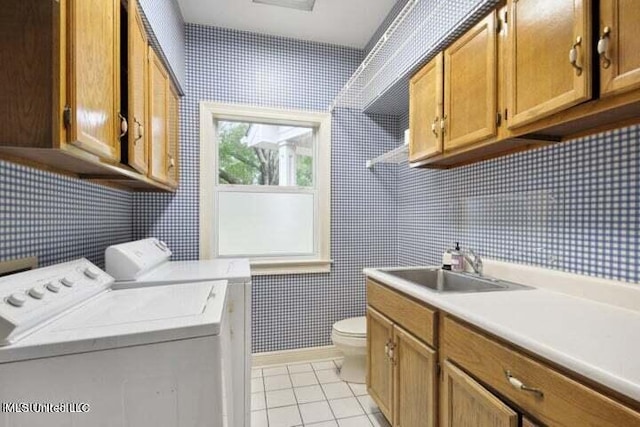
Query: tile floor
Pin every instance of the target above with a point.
(310, 394)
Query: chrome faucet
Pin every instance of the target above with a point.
(475, 262)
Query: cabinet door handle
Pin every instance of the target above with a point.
(573, 56)
(516, 383)
(124, 126)
(434, 126)
(603, 47)
(443, 124)
(386, 349)
(172, 162)
(140, 130)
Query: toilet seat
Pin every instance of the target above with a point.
(354, 327)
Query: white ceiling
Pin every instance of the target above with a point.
(342, 22)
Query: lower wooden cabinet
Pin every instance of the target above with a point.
(546, 394)
(401, 373)
(379, 365)
(466, 403)
(401, 365)
(414, 381)
(465, 378)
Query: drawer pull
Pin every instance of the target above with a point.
(573, 56)
(603, 47)
(516, 383)
(434, 128)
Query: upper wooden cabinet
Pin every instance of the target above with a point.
(93, 77)
(138, 153)
(425, 111)
(158, 109)
(163, 117)
(75, 88)
(467, 403)
(173, 136)
(470, 79)
(619, 46)
(60, 79)
(549, 57)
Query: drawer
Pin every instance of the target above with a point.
(411, 315)
(564, 402)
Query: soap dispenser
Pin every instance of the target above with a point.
(446, 260)
(457, 259)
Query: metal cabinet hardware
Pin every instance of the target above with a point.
(434, 126)
(140, 130)
(516, 383)
(603, 47)
(124, 126)
(573, 56)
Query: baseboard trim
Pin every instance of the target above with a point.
(295, 355)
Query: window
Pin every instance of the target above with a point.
(264, 187)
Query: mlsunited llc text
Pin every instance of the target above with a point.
(44, 407)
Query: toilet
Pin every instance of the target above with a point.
(350, 337)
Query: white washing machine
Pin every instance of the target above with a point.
(145, 263)
(75, 352)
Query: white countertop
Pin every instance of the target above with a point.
(597, 340)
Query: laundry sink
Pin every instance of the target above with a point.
(446, 281)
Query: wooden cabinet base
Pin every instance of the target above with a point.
(585, 119)
(73, 162)
(552, 397)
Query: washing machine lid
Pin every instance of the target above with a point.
(127, 317)
(231, 270)
(352, 327)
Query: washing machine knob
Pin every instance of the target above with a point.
(53, 287)
(91, 274)
(36, 292)
(67, 282)
(17, 299)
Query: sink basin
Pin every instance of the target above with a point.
(440, 280)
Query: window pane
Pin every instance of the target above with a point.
(265, 224)
(263, 154)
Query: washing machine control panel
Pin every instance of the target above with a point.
(129, 261)
(33, 297)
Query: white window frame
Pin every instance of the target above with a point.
(210, 113)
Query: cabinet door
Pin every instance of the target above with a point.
(173, 135)
(470, 92)
(138, 62)
(414, 381)
(425, 111)
(379, 365)
(93, 76)
(619, 46)
(542, 79)
(158, 106)
(465, 403)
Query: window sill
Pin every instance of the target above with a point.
(268, 268)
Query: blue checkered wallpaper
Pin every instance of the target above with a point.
(237, 67)
(165, 26)
(58, 218)
(574, 206)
